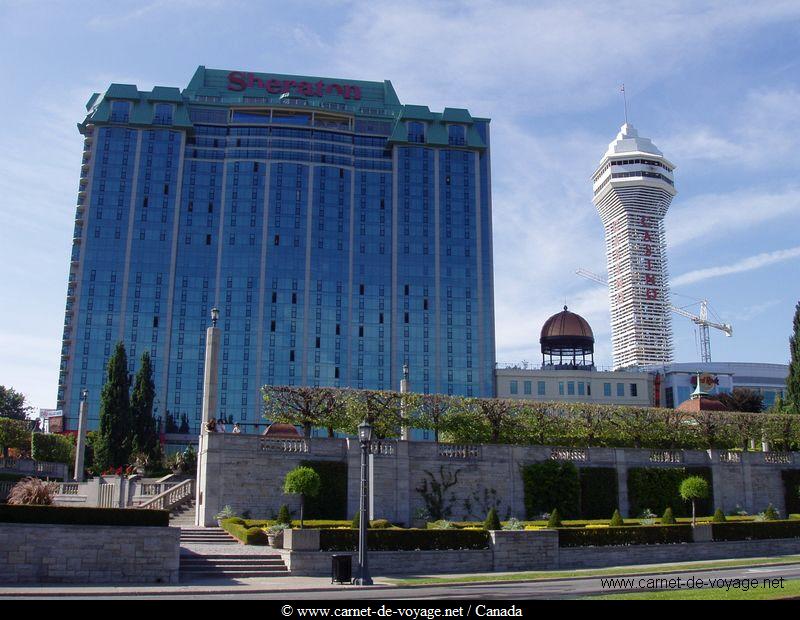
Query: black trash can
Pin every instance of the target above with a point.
(341, 568)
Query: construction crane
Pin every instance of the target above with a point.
(701, 321)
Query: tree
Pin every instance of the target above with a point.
(112, 446)
(742, 399)
(793, 380)
(144, 437)
(14, 434)
(492, 520)
(692, 489)
(12, 404)
(307, 406)
(302, 481)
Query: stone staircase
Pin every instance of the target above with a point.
(191, 536)
(183, 515)
(216, 566)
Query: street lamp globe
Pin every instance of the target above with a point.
(365, 432)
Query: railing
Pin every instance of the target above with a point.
(155, 488)
(383, 448)
(730, 457)
(282, 445)
(569, 454)
(666, 456)
(172, 497)
(68, 488)
(451, 451)
(105, 496)
(5, 488)
(32, 467)
(778, 458)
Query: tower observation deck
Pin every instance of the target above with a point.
(633, 188)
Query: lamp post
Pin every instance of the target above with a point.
(365, 438)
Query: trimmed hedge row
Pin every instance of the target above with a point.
(405, 540)
(791, 490)
(331, 501)
(627, 535)
(243, 533)
(758, 530)
(598, 492)
(67, 515)
(656, 488)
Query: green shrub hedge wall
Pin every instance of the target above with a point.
(331, 501)
(53, 448)
(248, 535)
(755, 530)
(66, 515)
(656, 488)
(405, 540)
(791, 490)
(628, 535)
(599, 497)
(551, 484)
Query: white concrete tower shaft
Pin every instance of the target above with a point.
(633, 188)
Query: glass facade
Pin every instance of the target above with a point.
(340, 236)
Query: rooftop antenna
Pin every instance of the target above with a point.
(624, 101)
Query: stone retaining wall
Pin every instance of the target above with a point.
(39, 553)
(318, 563)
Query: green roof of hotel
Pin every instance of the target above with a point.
(224, 88)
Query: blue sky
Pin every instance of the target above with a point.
(716, 85)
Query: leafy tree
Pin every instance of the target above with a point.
(432, 413)
(144, 432)
(302, 481)
(12, 404)
(113, 442)
(793, 380)
(743, 400)
(692, 489)
(492, 521)
(306, 406)
(616, 519)
(380, 408)
(14, 434)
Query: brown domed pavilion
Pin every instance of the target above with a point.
(567, 341)
(700, 401)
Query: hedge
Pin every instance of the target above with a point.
(791, 490)
(331, 501)
(628, 535)
(67, 515)
(52, 448)
(656, 488)
(598, 492)
(243, 533)
(309, 524)
(756, 530)
(551, 484)
(405, 540)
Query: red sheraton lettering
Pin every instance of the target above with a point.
(239, 81)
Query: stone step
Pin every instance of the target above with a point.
(233, 573)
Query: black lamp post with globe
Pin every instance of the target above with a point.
(365, 438)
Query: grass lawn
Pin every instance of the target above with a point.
(621, 570)
(791, 590)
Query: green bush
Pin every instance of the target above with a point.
(405, 540)
(770, 514)
(243, 533)
(550, 484)
(555, 519)
(66, 515)
(616, 520)
(658, 488)
(53, 448)
(791, 490)
(492, 520)
(356, 522)
(284, 516)
(14, 434)
(331, 500)
(719, 516)
(628, 535)
(380, 524)
(759, 530)
(668, 518)
(598, 496)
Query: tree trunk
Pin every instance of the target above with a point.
(694, 520)
(302, 501)
(307, 429)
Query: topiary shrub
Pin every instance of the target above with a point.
(616, 519)
(302, 481)
(284, 516)
(356, 522)
(658, 488)
(719, 516)
(32, 492)
(555, 519)
(668, 518)
(492, 521)
(331, 500)
(692, 489)
(380, 524)
(770, 514)
(598, 492)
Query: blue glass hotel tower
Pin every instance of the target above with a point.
(340, 233)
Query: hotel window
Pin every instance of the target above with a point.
(620, 389)
(581, 389)
(571, 388)
(456, 134)
(120, 111)
(540, 388)
(514, 387)
(416, 131)
(163, 114)
(527, 387)
(634, 389)
(606, 389)
(561, 388)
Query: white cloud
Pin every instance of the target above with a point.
(747, 264)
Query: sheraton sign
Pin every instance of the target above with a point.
(240, 80)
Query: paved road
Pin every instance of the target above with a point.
(553, 589)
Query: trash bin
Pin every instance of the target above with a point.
(341, 568)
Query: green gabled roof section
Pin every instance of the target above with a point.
(436, 131)
(143, 108)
